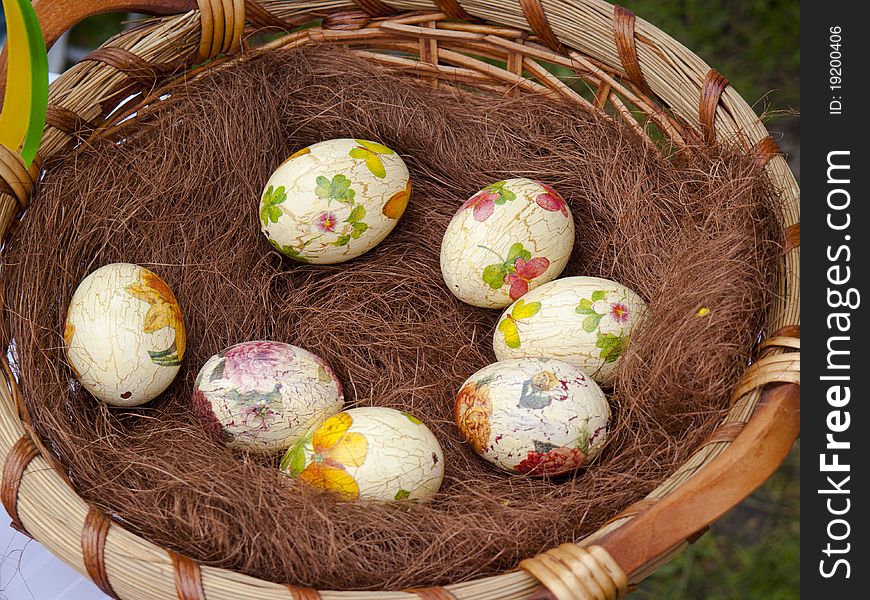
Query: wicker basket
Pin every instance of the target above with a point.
(639, 74)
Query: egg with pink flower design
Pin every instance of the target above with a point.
(334, 200)
(264, 395)
(508, 238)
(584, 321)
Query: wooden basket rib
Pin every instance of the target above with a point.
(633, 70)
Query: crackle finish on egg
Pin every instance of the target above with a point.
(533, 416)
(265, 395)
(334, 200)
(507, 239)
(124, 334)
(370, 453)
(584, 321)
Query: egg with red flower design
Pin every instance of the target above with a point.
(264, 395)
(585, 321)
(533, 416)
(505, 240)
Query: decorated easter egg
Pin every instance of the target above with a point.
(507, 239)
(371, 453)
(534, 416)
(124, 334)
(585, 321)
(264, 395)
(334, 200)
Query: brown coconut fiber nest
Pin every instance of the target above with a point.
(177, 190)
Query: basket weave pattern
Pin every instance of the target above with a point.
(638, 74)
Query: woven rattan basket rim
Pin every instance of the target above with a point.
(629, 61)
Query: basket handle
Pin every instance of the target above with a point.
(751, 458)
(58, 16)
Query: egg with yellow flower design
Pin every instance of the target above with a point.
(334, 200)
(370, 453)
(124, 334)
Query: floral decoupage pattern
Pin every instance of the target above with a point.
(124, 334)
(334, 200)
(264, 395)
(505, 240)
(333, 449)
(585, 321)
(517, 271)
(514, 319)
(371, 453)
(164, 312)
(533, 416)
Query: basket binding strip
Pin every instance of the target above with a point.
(633, 68)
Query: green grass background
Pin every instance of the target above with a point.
(754, 43)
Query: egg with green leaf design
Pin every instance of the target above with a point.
(507, 239)
(334, 200)
(584, 321)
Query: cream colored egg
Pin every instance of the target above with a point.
(124, 334)
(369, 453)
(584, 321)
(507, 239)
(534, 416)
(334, 200)
(265, 395)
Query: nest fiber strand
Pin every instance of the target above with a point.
(179, 195)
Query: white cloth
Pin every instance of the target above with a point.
(30, 572)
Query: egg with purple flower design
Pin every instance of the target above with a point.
(264, 395)
(334, 200)
(507, 239)
(584, 321)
